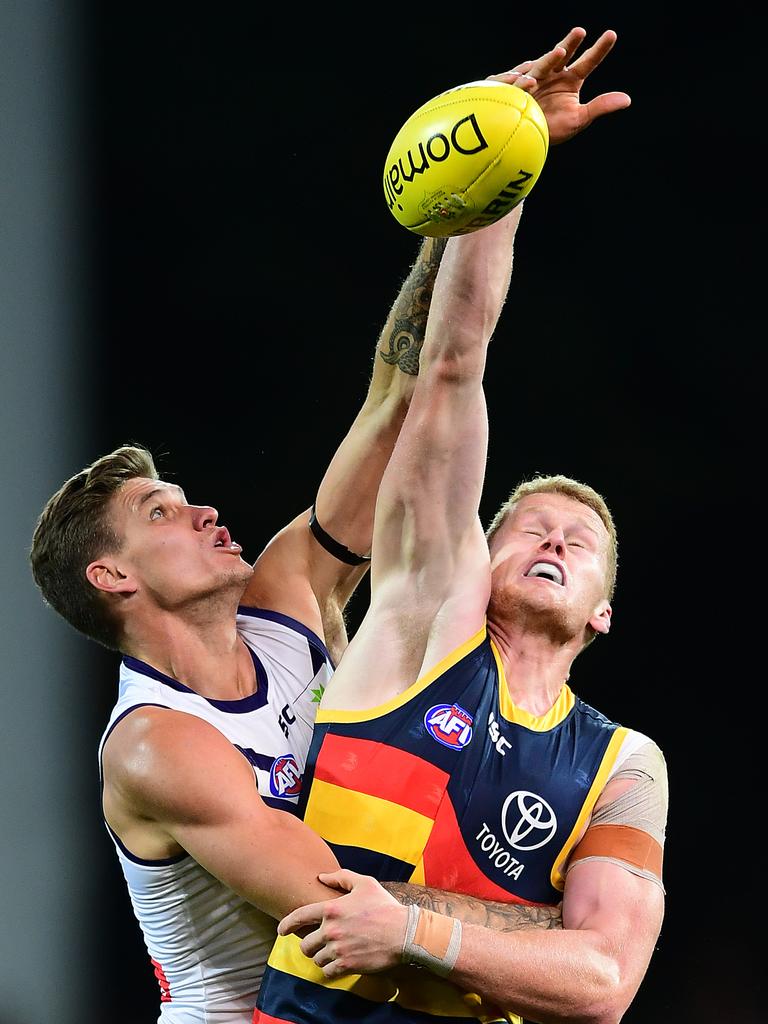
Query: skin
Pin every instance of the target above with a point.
(176, 580)
(539, 625)
(433, 583)
(172, 783)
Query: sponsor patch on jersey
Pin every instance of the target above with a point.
(284, 776)
(450, 725)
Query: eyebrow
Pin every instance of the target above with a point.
(541, 510)
(160, 490)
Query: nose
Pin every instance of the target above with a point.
(554, 542)
(203, 516)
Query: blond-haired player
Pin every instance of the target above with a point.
(450, 750)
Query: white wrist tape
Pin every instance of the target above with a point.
(431, 940)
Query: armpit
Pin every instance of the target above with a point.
(629, 829)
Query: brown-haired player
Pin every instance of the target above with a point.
(223, 664)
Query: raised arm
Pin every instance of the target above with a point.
(430, 575)
(311, 575)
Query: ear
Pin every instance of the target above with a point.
(105, 575)
(601, 618)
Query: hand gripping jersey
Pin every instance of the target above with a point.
(207, 945)
(451, 786)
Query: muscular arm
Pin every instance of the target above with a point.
(612, 912)
(173, 783)
(500, 917)
(430, 576)
(295, 574)
(611, 921)
(585, 972)
(162, 801)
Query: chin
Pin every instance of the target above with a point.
(534, 613)
(239, 575)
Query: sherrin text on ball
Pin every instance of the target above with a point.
(465, 158)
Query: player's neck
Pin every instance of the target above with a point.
(535, 666)
(208, 656)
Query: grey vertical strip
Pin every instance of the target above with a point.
(45, 762)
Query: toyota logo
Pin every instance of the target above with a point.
(525, 816)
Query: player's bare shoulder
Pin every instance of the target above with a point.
(161, 766)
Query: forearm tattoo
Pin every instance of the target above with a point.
(412, 309)
(499, 917)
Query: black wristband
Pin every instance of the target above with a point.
(332, 546)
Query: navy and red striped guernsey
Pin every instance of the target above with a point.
(451, 786)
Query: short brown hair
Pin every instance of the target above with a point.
(73, 529)
(570, 489)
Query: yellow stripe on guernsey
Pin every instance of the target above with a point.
(598, 784)
(338, 715)
(410, 988)
(348, 818)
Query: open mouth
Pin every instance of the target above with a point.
(546, 571)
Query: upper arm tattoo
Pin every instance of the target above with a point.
(412, 309)
(499, 917)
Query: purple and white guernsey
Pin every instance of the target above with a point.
(207, 945)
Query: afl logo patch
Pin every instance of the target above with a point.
(284, 776)
(450, 725)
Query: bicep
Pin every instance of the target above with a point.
(202, 792)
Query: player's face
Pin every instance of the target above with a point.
(175, 551)
(549, 562)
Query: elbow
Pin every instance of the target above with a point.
(456, 363)
(607, 994)
(382, 415)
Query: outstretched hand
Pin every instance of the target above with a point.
(555, 80)
(361, 932)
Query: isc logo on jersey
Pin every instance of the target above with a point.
(284, 776)
(450, 725)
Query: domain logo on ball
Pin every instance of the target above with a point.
(465, 159)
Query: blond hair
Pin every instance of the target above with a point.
(569, 488)
(75, 528)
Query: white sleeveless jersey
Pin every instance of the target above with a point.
(207, 945)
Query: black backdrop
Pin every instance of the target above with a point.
(242, 261)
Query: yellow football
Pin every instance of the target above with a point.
(465, 159)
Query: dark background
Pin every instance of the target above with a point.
(241, 261)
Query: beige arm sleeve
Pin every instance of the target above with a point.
(629, 828)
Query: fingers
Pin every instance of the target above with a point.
(562, 57)
(572, 42)
(594, 55)
(550, 63)
(311, 914)
(335, 969)
(312, 943)
(524, 68)
(514, 77)
(558, 57)
(608, 103)
(343, 879)
(318, 948)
